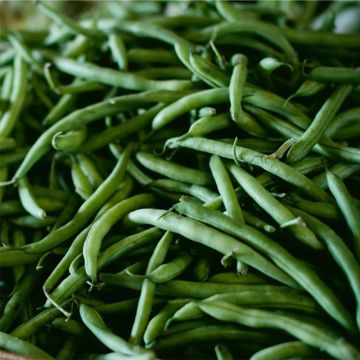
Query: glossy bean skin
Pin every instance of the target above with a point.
(187, 103)
(269, 32)
(87, 209)
(112, 77)
(200, 233)
(173, 170)
(316, 130)
(225, 188)
(103, 225)
(147, 291)
(340, 252)
(325, 146)
(86, 115)
(273, 207)
(18, 346)
(273, 166)
(17, 97)
(284, 351)
(74, 282)
(305, 276)
(310, 333)
(257, 298)
(347, 208)
(96, 325)
(170, 270)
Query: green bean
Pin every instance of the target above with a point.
(321, 38)
(69, 140)
(18, 239)
(96, 325)
(3, 177)
(30, 327)
(78, 88)
(62, 267)
(22, 51)
(183, 288)
(222, 352)
(148, 30)
(33, 222)
(108, 76)
(87, 115)
(273, 166)
(342, 120)
(159, 56)
(86, 210)
(200, 233)
(74, 282)
(347, 207)
(269, 32)
(121, 131)
(310, 333)
(271, 299)
(258, 223)
(147, 291)
(272, 102)
(6, 56)
(325, 147)
(28, 200)
(77, 47)
(17, 258)
(173, 170)
(180, 20)
(207, 333)
(316, 130)
(90, 171)
(18, 346)
(273, 207)
(232, 277)
(187, 103)
(199, 192)
(118, 356)
(118, 51)
(160, 73)
(169, 271)
(102, 226)
(225, 188)
(348, 132)
(56, 194)
(203, 68)
(320, 209)
(307, 88)
(157, 324)
(17, 98)
(7, 144)
(68, 23)
(341, 170)
(70, 326)
(237, 81)
(18, 298)
(305, 276)
(335, 74)
(231, 13)
(122, 306)
(202, 269)
(81, 182)
(340, 252)
(291, 349)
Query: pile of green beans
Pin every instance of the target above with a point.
(179, 180)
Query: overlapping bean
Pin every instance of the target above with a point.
(179, 180)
